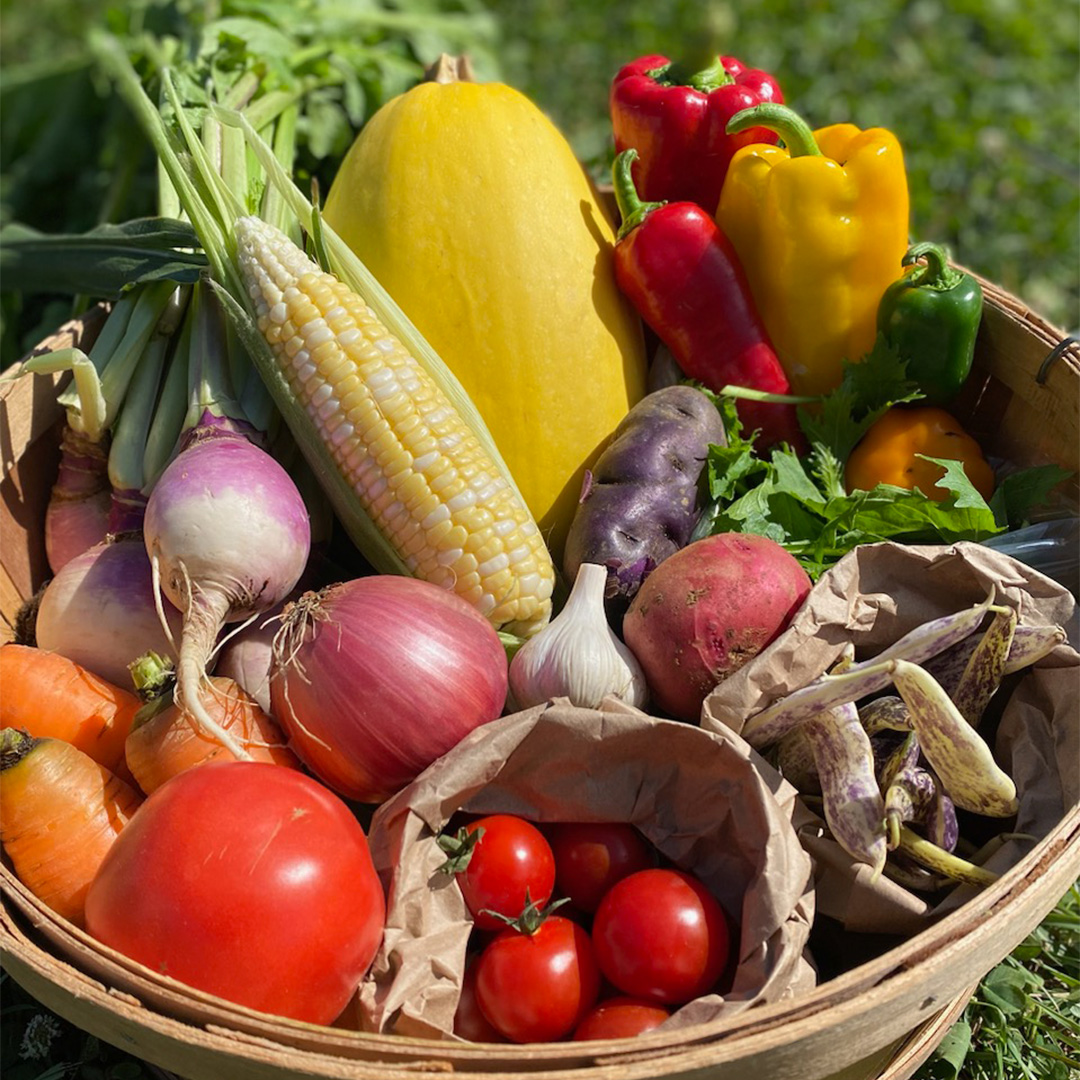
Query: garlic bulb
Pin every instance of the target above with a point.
(577, 655)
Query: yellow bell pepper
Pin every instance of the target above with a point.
(889, 454)
(820, 227)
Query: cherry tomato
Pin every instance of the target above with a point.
(249, 881)
(536, 987)
(661, 935)
(511, 856)
(620, 1018)
(591, 856)
(469, 1022)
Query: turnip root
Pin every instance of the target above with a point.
(707, 610)
(100, 610)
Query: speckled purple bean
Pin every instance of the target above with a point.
(887, 713)
(985, 668)
(853, 806)
(795, 760)
(861, 679)
(955, 750)
(1030, 644)
(941, 824)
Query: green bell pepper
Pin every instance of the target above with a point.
(931, 316)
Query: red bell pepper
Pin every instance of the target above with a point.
(682, 275)
(678, 125)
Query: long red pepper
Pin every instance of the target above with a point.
(683, 276)
(678, 124)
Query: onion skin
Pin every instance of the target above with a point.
(375, 678)
(707, 610)
(99, 610)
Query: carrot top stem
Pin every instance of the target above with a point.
(15, 744)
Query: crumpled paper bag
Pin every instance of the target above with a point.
(871, 597)
(706, 800)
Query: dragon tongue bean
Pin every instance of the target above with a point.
(853, 806)
(941, 825)
(1030, 644)
(955, 750)
(888, 713)
(862, 679)
(985, 667)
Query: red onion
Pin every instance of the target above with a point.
(100, 610)
(375, 678)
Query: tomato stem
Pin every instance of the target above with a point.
(459, 849)
(531, 918)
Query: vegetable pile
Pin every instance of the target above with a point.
(339, 486)
(887, 767)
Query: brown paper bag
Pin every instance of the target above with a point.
(871, 598)
(706, 800)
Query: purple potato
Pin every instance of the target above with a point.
(641, 500)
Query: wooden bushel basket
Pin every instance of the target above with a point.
(879, 1020)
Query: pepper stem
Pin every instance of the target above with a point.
(708, 79)
(631, 209)
(936, 273)
(788, 124)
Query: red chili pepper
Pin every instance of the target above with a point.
(678, 125)
(683, 276)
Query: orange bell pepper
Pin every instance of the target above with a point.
(889, 454)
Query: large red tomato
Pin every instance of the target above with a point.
(660, 935)
(536, 987)
(249, 881)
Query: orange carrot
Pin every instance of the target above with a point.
(52, 697)
(60, 812)
(170, 741)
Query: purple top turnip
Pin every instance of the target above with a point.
(228, 536)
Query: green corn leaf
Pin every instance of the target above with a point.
(103, 262)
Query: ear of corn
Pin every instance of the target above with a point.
(398, 447)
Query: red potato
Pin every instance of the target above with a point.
(707, 610)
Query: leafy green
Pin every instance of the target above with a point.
(102, 262)
(802, 504)
(866, 391)
(1020, 493)
(71, 158)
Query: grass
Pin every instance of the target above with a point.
(1023, 1023)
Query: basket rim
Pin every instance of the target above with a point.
(912, 1045)
(1054, 859)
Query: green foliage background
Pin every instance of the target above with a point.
(984, 95)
